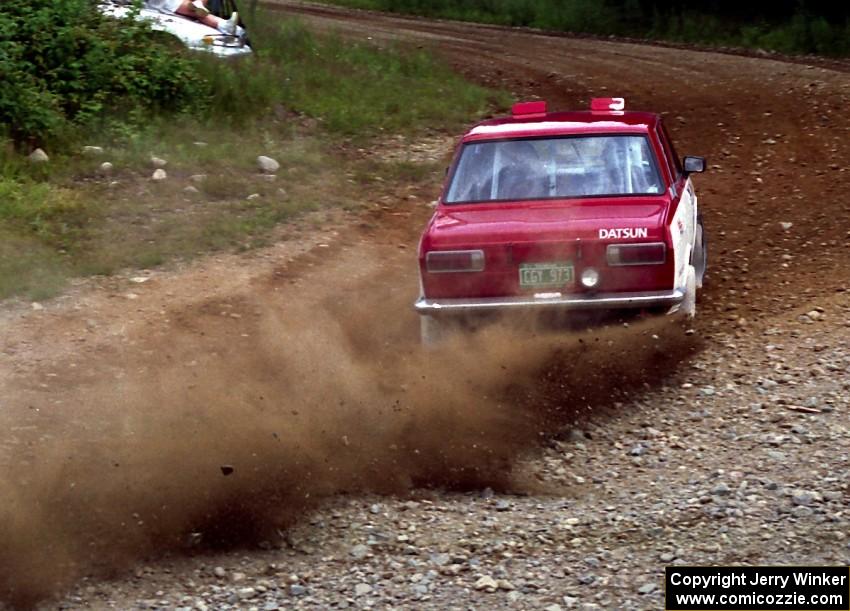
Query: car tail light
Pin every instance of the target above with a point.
(445, 261)
(637, 254)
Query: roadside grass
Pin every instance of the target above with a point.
(303, 99)
(352, 88)
(800, 33)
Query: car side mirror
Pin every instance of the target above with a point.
(694, 165)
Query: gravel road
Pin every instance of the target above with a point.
(547, 473)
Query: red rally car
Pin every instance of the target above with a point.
(564, 210)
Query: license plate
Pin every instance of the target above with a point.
(545, 275)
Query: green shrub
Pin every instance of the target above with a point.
(63, 65)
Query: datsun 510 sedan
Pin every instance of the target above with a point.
(563, 211)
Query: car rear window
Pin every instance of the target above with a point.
(545, 168)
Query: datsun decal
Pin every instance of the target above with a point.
(623, 233)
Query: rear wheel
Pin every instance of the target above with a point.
(700, 258)
(688, 307)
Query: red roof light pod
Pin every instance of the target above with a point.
(529, 109)
(608, 104)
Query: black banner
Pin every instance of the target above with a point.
(757, 588)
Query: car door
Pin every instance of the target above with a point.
(684, 205)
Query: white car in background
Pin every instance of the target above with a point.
(192, 33)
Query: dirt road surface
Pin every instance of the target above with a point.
(262, 431)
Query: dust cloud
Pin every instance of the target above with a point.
(244, 413)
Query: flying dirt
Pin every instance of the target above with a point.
(213, 407)
(224, 425)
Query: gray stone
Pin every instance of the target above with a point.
(803, 497)
(362, 589)
(360, 551)
(159, 174)
(158, 162)
(441, 559)
(576, 435)
(721, 489)
(106, 168)
(802, 512)
(647, 588)
(92, 150)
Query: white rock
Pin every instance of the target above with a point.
(200, 144)
(786, 226)
(36, 306)
(140, 279)
(253, 196)
(39, 156)
(486, 583)
(196, 178)
(159, 174)
(267, 165)
(106, 168)
(246, 593)
(92, 150)
(158, 162)
(220, 572)
(362, 589)
(191, 190)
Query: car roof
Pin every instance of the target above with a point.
(524, 124)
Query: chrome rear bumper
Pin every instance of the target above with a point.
(599, 301)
